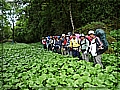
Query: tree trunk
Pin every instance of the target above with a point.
(71, 19)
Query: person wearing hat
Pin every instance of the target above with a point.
(75, 46)
(63, 35)
(84, 46)
(95, 46)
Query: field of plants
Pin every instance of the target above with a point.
(29, 66)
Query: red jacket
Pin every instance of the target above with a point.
(43, 41)
(65, 42)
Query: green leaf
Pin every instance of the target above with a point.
(101, 76)
(111, 78)
(86, 73)
(109, 69)
(70, 81)
(87, 85)
(65, 66)
(70, 70)
(108, 83)
(97, 66)
(52, 82)
(76, 76)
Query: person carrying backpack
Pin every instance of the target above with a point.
(101, 34)
(84, 46)
(96, 47)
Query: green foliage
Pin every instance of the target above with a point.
(91, 26)
(30, 66)
(110, 50)
(110, 39)
(114, 46)
(115, 34)
(5, 31)
(51, 17)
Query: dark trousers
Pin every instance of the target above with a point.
(76, 53)
(44, 46)
(49, 47)
(57, 49)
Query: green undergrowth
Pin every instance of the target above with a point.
(29, 66)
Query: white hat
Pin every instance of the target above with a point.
(69, 33)
(82, 35)
(91, 32)
(63, 34)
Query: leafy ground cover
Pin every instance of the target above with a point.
(29, 66)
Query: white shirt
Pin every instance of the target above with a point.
(93, 48)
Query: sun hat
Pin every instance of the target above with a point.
(63, 34)
(91, 32)
(82, 35)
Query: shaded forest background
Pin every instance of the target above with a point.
(52, 17)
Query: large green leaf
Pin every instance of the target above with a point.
(109, 69)
(76, 76)
(38, 68)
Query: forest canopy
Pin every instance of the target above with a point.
(37, 18)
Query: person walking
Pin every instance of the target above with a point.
(95, 48)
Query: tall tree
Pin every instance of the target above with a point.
(52, 17)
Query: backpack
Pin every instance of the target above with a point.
(101, 34)
(86, 39)
(84, 42)
(89, 39)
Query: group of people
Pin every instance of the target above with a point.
(77, 45)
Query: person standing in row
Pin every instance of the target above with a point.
(95, 47)
(84, 46)
(44, 43)
(56, 45)
(75, 46)
(47, 43)
(51, 43)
